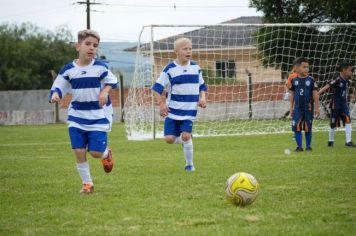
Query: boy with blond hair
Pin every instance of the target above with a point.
(90, 112)
(183, 81)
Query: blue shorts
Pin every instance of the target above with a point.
(176, 127)
(335, 116)
(302, 120)
(93, 140)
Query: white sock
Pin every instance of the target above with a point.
(348, 131)
(331, 134)
(105, 154)
(84, 172)
(188, 152)
(178, 140)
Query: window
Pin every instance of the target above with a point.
(225, 69)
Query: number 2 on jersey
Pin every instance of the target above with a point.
(301, 92)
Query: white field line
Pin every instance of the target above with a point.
(32, 144)
(39, 144)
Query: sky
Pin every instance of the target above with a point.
(122, 20)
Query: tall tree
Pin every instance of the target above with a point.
(28, 54)
(306, 11)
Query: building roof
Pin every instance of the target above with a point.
(212, 37)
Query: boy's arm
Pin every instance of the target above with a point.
(59, 88)
(161, 101)
(103, 96)
(109, 81)
(291, 102)
(323, 89)
(202, 99)
(55, 97)
(291, 97)
(203, 88)
(158, 90)
(316, 103)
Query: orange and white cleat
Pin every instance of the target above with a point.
(108, 163)
(87, 188)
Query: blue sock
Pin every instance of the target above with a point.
(298, 138)
(308, 138)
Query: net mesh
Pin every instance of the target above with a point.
(245, 67)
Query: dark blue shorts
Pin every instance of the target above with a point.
(302, 120)
(337, 114)
(93, 140)
(176, 127)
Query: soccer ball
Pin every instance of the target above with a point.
(242, 189)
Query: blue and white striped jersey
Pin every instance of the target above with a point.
(85, 84)
(183, 85)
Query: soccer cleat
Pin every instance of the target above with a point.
(299, 149)
(308, 149)
(108, 163)
(189, 168)
(330, 144)
(87, 188)
(350, 144)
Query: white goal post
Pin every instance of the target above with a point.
(245, 66)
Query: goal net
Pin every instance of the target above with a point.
(245, 67)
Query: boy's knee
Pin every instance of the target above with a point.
(348, 120)
(96, 154)
(186, 136)
(170, 139)
(80, 154)
(80, 151)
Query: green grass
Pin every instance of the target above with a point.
(148, 191)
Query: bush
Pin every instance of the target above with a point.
(28, 54)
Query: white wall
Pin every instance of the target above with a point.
(32, 107)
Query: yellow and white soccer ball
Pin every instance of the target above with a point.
(242, 189)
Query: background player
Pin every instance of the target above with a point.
(185, 91)
(288, 85)
(339, 105)
(304, 97)
(90, 112)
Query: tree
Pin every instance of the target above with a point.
(28, 54)
(317, 44)
(306, 11)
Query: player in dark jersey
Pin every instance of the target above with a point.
(305, 101)
(339, 87)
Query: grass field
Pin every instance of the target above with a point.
(148, 191)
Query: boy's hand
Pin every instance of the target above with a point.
(55, 97)
(202, 103)
(103, 98)
(317, 113)
(163, 109)
(286, 96)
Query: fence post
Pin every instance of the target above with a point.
(153, 74)
(56, 105)
(249, 93)
(122, 97)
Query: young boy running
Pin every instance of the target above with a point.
(185, 89)
(90, 112)
(339, 104)
(304, 97)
